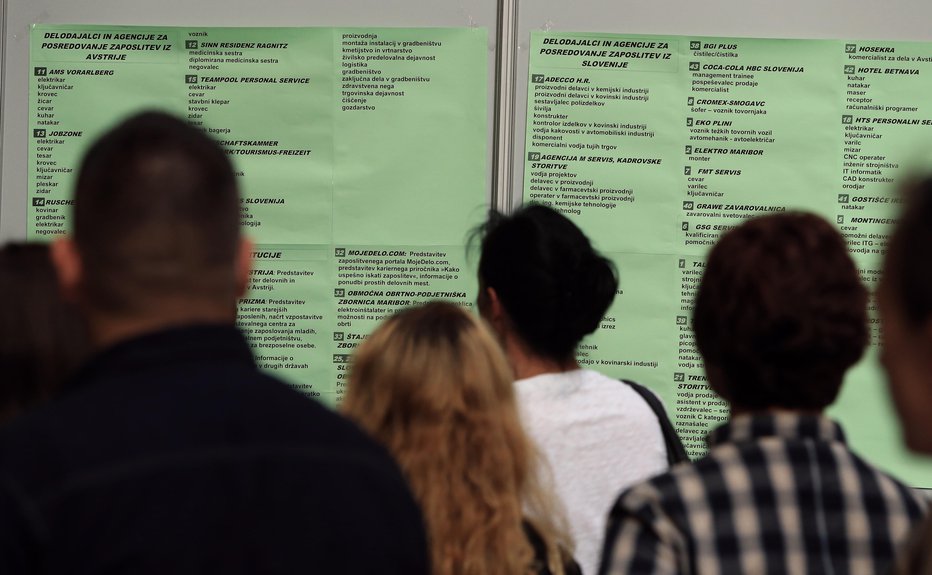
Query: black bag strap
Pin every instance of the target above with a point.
(676, 453)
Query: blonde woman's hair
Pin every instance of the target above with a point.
(432, 384)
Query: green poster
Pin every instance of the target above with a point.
(372, 282)
(288, 328)
(360, 152)
(406, 105)
(657, 144)
(82, 79)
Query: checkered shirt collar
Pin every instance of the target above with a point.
(786, 425)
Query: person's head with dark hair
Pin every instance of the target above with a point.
(542, 287)
(781, 314)
(42, 337)
(156, 237)
(905, 303)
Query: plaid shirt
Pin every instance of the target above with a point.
(777, 493)
(916, 559)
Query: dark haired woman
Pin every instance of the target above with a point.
(42, 339)
(543, 288)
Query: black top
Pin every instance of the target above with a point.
(172, 453)
(541, 567)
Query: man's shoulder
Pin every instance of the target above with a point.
(106, 426)
(664, 493)
(244, 401)
(273, 467)
(878, 484)
(674, 493)
(690, 486)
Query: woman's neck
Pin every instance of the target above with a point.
(526, 363)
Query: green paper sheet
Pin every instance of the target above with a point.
(360, 152)
(655, 145)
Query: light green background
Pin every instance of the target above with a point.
(801, 169)
(408, 176)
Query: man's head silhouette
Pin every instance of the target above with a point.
(156, 238)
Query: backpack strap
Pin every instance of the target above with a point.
(676, 453)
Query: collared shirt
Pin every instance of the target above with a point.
(173, 454)
(777, 493)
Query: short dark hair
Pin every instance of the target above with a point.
(782, 312)
(156, 214)
(553, 285)
(42, 337)
(909, 253)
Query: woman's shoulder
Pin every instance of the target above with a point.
(585, 393)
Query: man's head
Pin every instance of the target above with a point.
(905, 303)
(781, 314)
(155, 226)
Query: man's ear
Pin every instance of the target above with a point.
(243, 266)
(69, 268)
